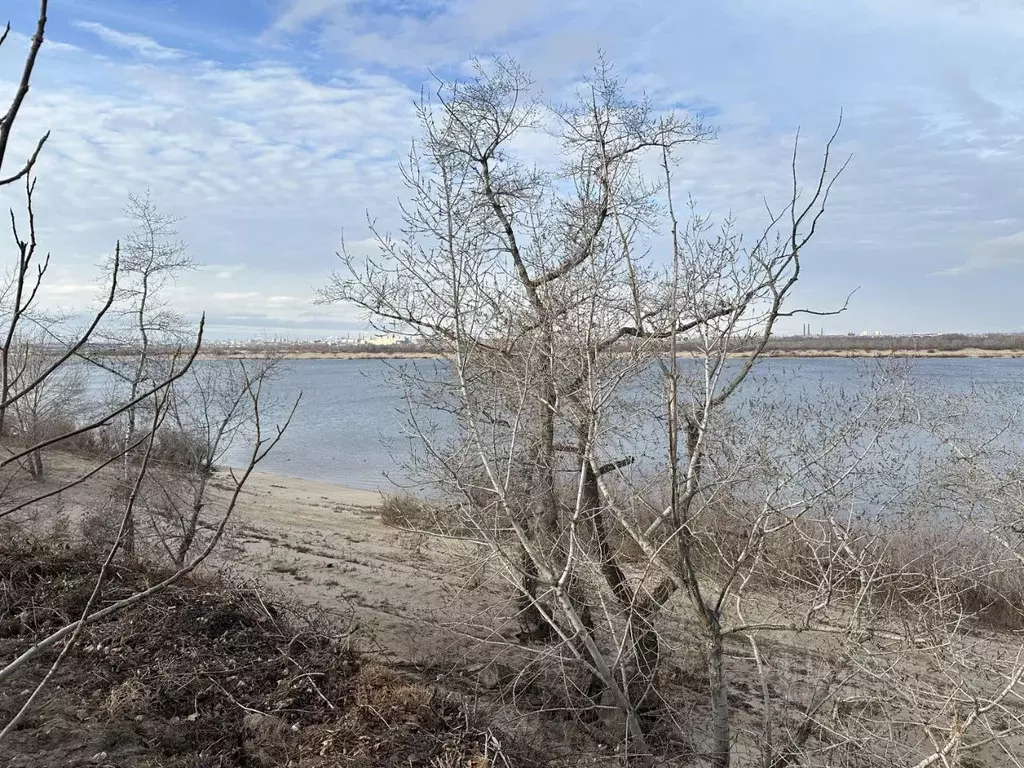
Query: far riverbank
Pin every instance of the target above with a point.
(778, 353)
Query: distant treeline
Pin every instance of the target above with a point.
(946, 342)
(937, 343)
(299, 348)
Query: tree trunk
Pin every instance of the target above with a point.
(128, 538)
(188, 535)
(645, 642)
(719, 698)
(647, 651)
(533, 626)
(546, 464)
(35, 465)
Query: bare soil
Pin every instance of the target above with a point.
(352, 605)
(326, 545)
(209, 674)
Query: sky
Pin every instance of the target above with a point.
(274, 126)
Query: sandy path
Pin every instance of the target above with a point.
(319, 542)
(326, 545)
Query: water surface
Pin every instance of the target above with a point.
(349, 427)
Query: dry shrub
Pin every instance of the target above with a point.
(179, 679)
(50, 427)
(179, 448)
(907, 562)
(983, 584)
(172, 446)
(409, 512)
(403, 510)
(100, 442)
(129, 698)
(386, 693)
(98, 528)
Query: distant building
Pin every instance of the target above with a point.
(386, 340)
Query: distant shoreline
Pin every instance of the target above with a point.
(255, 354)
(778, 353)
(920, 353)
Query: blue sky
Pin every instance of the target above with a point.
(273, 125)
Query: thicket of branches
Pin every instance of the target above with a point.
(160, 431)
(648, 507)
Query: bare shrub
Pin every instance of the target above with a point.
(410, 512)
(38, 375)
(179, 449)
(405, 511)
(791, 542)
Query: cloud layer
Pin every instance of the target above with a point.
(273, 135)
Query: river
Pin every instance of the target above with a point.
(349, 427)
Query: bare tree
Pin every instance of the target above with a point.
(532, 282)
(51, 407)
(27, 381)
(144, 329)
(602, 428)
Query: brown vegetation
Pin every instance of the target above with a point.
(211, 673)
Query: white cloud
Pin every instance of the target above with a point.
(266, 166)
(296, 13)
(69, 289)
(272, 152)
(224, 271)
(234, 297)
(140, 44)
(991, 254)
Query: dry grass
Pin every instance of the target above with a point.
(211, 673)
(904, 563)
(408, 512)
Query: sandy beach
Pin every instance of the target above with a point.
(325, 544)
(320, 543)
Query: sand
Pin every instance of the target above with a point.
(325, 544)
(316, 542)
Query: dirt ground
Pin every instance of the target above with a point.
(326, 544)
(416, 603)
(209, 675)
(320, 543)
